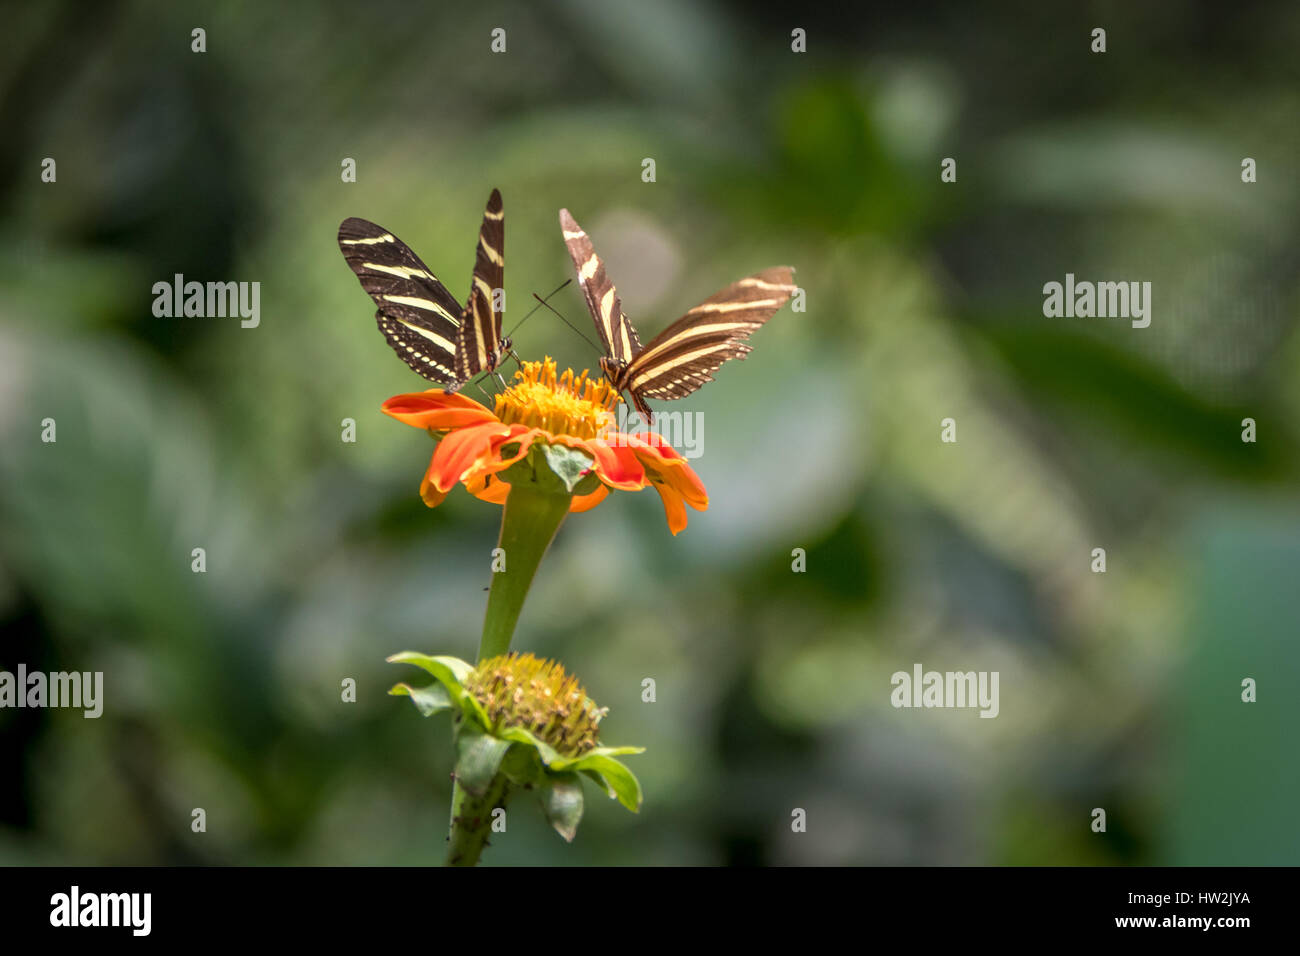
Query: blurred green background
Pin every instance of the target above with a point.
(1118, 690)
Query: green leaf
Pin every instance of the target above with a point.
(427, 700)
(589, 483)
(478, 758)
(621, 780)
(599, 764)
(561, 797)
(523, 767)
(612, 751)
(473, 710)
(449, 670)
(544, 750)
(569, 464)
(599, 781)
(451, 673)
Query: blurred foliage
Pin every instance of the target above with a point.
(223, 690)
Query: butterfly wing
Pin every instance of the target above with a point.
(616, 332)
(479, 340)
(419, 318)
(685, 355)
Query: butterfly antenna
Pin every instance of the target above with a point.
(568, 323)
(534, 309)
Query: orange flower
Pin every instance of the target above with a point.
(475, 445)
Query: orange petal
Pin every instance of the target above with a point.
(674, 510)
(460, 450)
(493, 462)
(487, 488)
(431, 495)
(587, 502)
(615, 463)
(437, 409)
(664, 466)
(672, 477)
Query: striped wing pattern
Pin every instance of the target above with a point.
(685, 355)
(479, 346)
(616, 332)
(418, 316)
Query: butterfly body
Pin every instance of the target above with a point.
(685, 355)
(424, 323)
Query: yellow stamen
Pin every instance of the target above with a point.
(520, 690)
(560, 404)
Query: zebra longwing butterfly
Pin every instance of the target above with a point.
(685, 355)
(422, 321)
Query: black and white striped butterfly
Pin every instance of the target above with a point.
(422, 321)
(685, 355)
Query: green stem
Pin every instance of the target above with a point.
(471, 821)
(528, 525)
(536, 507)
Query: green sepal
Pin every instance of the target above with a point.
(427, 700)
(450, 673)
(589, 483)
(570, 465)
(611, 752)
(523, 767)
(618, 780)
(553, 470)
(478, 757)
(473, 710)
(617, 777)
(599, 781)
(562, 802)
(544, 750)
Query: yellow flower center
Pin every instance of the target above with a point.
(564, 404)
(520, 690)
